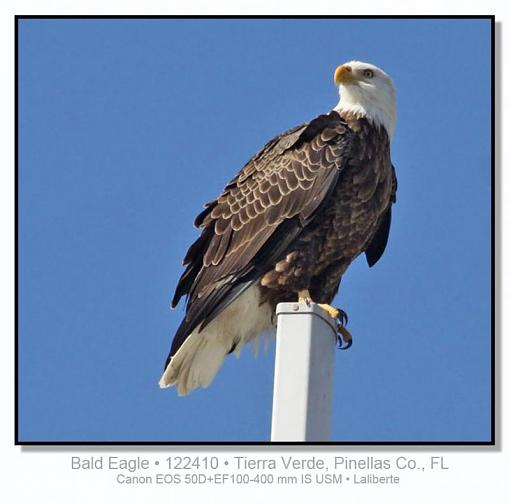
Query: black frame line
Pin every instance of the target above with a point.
(491, 442)
(258, 16)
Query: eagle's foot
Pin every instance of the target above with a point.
(304, 296)
(343, 335)
(335, 313)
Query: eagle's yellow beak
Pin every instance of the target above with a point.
(343, 75)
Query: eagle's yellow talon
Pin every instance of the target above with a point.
(333, 312)
(346, 336)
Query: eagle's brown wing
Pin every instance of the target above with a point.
(375, 248)
(257, 216)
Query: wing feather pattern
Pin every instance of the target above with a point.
(259, 213)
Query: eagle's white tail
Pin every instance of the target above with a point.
(200, 357)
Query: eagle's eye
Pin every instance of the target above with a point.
(368, 74)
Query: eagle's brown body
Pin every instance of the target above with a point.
(345, 224)
(295, 217)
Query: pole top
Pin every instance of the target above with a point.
(304, 309)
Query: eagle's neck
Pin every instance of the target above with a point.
(356, 102)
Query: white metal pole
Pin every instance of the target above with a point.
(303, 381)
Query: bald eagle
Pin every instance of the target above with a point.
(287, 227)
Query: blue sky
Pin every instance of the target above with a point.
(126, 127)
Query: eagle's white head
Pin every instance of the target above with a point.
(367, 91)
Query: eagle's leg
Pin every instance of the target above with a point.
(304, 296)
(344, 336)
